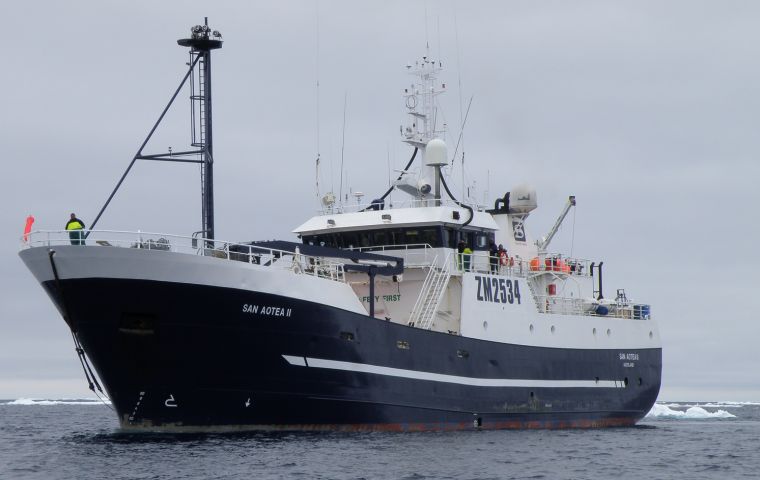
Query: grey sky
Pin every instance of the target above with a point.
(646, 111)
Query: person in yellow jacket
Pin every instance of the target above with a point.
(75, 227)
(467, 256)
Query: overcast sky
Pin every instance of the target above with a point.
(647, 111)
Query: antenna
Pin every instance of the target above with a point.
(343, 143)
(202, 40)
(427, 40)
(438, 32)
(461, 132)
(487, 192)
(459, 86)
(388, 160)
(317, 93)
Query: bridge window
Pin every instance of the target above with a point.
(418, 237)
(474, 240)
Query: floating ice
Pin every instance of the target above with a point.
(64, 401)
(710, 404)
(694, 412)
(738, 404)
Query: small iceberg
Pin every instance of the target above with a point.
(710, 404)
(692, 413)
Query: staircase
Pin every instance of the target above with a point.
(431, 294)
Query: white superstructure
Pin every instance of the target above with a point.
(560, 300)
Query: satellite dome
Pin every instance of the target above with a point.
(435, 153)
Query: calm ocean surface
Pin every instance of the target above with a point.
(80, 440)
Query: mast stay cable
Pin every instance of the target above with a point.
(145, 142)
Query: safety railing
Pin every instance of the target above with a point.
(424, 255)
(484, 262)
(559, 264)
(414, 254)
(410, 203)
(577, 306)
(322, 267)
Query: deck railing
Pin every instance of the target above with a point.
(557, 263)
(577, 306)
(323, 267)
(409, 203)
(414, 254)
(423, 255)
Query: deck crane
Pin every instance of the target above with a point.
(546, 239)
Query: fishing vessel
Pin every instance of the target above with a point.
(402, 316)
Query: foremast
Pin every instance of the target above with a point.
(202, 40)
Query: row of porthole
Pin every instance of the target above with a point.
(461, 353)
(553, 329)
(404, 345)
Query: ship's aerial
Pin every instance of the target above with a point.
(426, 313)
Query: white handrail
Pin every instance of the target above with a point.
(559, 305)
(411, 252)
(416, 312)
(322, 267)
(409, 203)
(441, 280)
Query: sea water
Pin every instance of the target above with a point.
(80, 439)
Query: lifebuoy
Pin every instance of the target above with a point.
(503, 259)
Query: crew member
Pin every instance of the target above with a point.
(460, 252)
(493, 257)
(75, 227)
(467, 257)
(503, 256)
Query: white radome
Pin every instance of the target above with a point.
(435, 153)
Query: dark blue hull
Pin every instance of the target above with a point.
(194, 357)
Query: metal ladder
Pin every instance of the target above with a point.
(198, 104)
(431, 294)
(198, 111)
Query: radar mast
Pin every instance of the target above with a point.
(422, 129)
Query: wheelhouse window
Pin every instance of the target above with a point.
(476, 240)
(412, 237)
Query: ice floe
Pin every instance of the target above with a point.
(692, 413)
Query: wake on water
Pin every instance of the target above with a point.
(661, 410)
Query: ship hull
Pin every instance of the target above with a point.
(187, 357)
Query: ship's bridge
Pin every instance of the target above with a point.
(439, 227)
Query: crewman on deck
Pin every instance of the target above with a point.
(467, 257)
(493, 257)
(460, 256)
(75, 227)
(503, 257)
